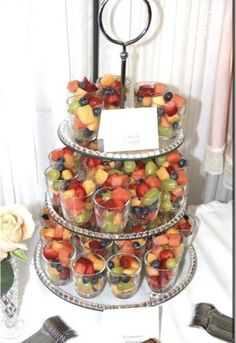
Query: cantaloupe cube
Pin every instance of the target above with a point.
(174, 239)
(162, 173)
(161, 239)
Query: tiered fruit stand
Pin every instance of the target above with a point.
(144, 296)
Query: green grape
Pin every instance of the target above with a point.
(150, 168)
(117, 270)
(53, 174)
(170, 262)
(165, 196)
(151, 196)
(106, 196)
(160, 160)
(165, 131)
(129, 166)
(166, 206)
(115, 171)
(168, 184)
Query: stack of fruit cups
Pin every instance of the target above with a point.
(102, 247)
(110, 89)
(65, 158)
(112, 207)
(57, 179)
(76, 201)
(84, 113)
(89, 274)
(163, 261)
(123, 274)
(57, 252)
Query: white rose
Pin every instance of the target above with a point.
(16, 225)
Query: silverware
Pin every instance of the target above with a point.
(213, 321)
(54, 330)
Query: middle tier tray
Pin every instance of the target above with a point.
(165, 145)
(93, 231)
(106, 300)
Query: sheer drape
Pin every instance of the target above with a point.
(46, 43)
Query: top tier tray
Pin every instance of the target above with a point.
(165, 145)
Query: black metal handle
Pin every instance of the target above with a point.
(123, 54)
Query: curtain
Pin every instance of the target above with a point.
(45, 43)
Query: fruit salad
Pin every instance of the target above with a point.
(111, 207)
(64, 158)
(105, 173)
(76, 201)
(110, 89)
(123, 273)
(170, 110)
(57, 179)
(89, 274)
(161, 270)
(145, 91)
(81, 87)
(84, 113)
(170, 244)
(102, 247)
(57, 256)
(57, 233)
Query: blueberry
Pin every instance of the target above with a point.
(125, 278)
(87, 132)
(182, 162)
(174, 176)
(136, 210)
(86, 279)
(60, 160)
(65, 185)
(139, 181)
(138, 98)
(145, 211)
(60, 167)
(103, 243)
(168, 96)
(186, 217)
(156, 264)
(136, 245)
(83, 101)
(53, 263)
(97, 111)
(108, 91)
(160, 111)
(176, 126)
(110, 265)
(115, 279)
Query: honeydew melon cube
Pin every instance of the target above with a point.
(94, 125)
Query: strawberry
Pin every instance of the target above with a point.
(113, 99)
(49, 253)
(165, 254)
(170, 108)
(93, 162)
(145, 90)
(94, 244)
(80, 192)
(94, 101)
(142, 188)
(137, 228)
(74, 184)
(125, 261)
(116, 84)
(90, 269)
(154, 282)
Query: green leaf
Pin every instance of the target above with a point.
(20, 254)
(7, 276)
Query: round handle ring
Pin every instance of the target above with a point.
(132, 40)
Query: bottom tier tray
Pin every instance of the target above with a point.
(106, 300)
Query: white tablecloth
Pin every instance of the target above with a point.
(212, 283)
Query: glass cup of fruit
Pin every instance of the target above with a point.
(146, 90)
(57, 256)
(161, 272)
(102, 247)
(170, 244)
(111, 208)
(170, 110)
(76, 201)
(135, 246)
(65, 158)
(84, 114)
(173, 195)
(89, 274)
(123, 274)
(110, 88)
(145, 202)
(57, 179)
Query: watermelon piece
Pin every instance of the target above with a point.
(173, 157)
(161, 239)
(153, 182)
(174, 239)
(182, 177)
(121, 194)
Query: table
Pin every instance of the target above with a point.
(212, 283)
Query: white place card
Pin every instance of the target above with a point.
(129, 129)
(131, 325)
